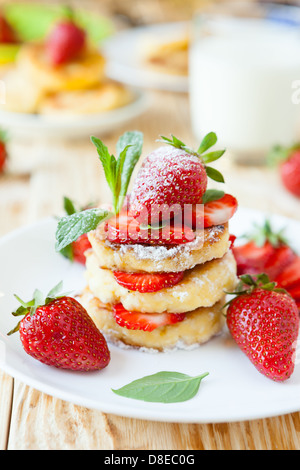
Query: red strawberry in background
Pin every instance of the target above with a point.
(3, 151)
(54, 330)
(287, 159)
(264, 251)
(144, 321)
(264, 322)
(65, 42)
(171, 178)
(76, 250)
(289, 279)
(7, 33)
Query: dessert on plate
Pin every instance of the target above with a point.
(160, 262)
(63, 74)
(169, 57)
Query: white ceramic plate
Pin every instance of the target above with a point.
(233, 390)
(125, 54)
(34, 125)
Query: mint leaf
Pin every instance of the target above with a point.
(69, 228)
(118, 171)
(162, 387)
(208, 141)
(69, 206)
(212, 195)
(132, 143)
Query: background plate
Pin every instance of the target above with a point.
(80, 126)
(233, 391)
(124, 53)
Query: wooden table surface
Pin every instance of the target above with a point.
(38, 176)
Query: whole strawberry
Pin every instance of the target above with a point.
(288, 161)
(264, 322)
(290, 173)
(7, 33)
(58, 331)
(171, 178)
(65, 42)
(3, 151)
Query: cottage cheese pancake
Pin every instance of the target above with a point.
(212, 243)
(82, 72)
(201, 286)
(198, 327)
(98, 99)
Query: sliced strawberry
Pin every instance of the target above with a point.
(283, 256)
(218, 212)
(232, 239)
(147, 282)
(79, 247)
(144, 321)
(290, 275)
(253, 259)
(295, 291)
(126, 229)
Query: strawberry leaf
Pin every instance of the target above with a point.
(212, 156)
(162, 387)
(212, 195)
(208, 141)
(214, 174)
(69, 228)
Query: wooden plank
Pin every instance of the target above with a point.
(6, 391)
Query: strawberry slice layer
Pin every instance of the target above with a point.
(144, 321)
(220, 211)
(146, 282)
(290, 275)
(125, 229)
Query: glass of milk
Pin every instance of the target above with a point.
(243, 74)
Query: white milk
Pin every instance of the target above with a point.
(241, 87)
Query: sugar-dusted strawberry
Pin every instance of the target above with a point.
(65, 42)
(7, 33)
(264, 322)
(125, 229)
(147, 282)
(57, 331)
(265, 251)
(171, 178)
(144, 321)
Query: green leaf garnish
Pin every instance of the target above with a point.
(118, 170)
(71, 227)
(263, 233)
(207, 142)
(212, 195)
(214, 174)
(38, 300)
(162, 387)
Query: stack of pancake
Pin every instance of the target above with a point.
(77, 87)
(209, 269)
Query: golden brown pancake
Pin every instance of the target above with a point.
(198, 327)
(201, 286)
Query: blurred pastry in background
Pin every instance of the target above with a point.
(64, 73)
(169, 57)
(100, 98)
